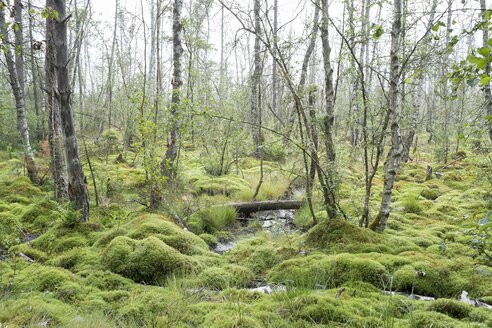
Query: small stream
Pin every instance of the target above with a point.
(276, 222)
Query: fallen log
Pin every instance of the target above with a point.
(246, 208)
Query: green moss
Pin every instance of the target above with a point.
(343, 236)
(411, 205)
(78, 259)
(228, 276)
(328, 270)
(149, 260)
(105, 237)
(146, 303)
(226, 185)
(258, 254)
(106, 280)
(443, 277)
(211, 240)
(35, 310)
(430, 194)
(159, 227)
(326, 312)
(9, 189)
(452, 308)
(34, 254)
(230, 317)
(114, 296)
(426, 319)
(66, 243)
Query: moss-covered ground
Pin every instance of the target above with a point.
(130, 267)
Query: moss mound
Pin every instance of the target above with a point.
(343, 236)
(329, 271)
(426, 319)
(149, 260)
(258, 254)
(452, 308)
(225, 277)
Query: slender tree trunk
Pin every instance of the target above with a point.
(418, 87)
(77, 187)
(393, 160)
(108, 102)
(328, 120)
(35, 83)
(58, 166)
(311, 124)
(274, 64)
(169, 160)
(16, 75)
(487, 90)
(256, 81)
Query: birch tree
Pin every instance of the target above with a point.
(15, 72)
(392, 163)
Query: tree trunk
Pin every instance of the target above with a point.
(168, 162)
(418, 86)
(20, 105)
(255, 81)
(329, 118)
(393, 160)
(77, 187)
(109, 92)
(53, 110)
(35, 83)
(274, 64)
(487, 90)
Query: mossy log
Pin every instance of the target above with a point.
(246, 208)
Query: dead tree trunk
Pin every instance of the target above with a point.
(392, 163)
(53, 110)
(20, 105)
(77, 187)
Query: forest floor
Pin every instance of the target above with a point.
(130, 267)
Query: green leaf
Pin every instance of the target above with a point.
(484, 51)
(480, 63)
(489, 42)
(436, 27)
(453, 41)
(487, 15)
(378, 31)
(485, 80)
